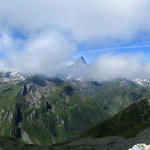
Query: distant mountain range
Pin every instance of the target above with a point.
(71, 72)
(59, 109)
(67, 107)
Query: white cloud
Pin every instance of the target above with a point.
(83, 19)
(111, 66)
(41, 53)
(56, 27)
(46, 53)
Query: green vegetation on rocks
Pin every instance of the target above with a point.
(44, 111)
(127, 123)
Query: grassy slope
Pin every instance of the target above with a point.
(8, 101)
(72, 113)
(113, 98)
(70, 116)
(128, 123)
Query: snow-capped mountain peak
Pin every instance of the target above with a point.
(80, 61)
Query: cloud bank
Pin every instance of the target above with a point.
(53, 30)
(42, 53)
(109, 67)
(82, 20)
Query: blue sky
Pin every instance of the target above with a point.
(136, 45)
(91, 50)
(37, 36)
(92, 54)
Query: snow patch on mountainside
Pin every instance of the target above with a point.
(142, 82)
(13, 76)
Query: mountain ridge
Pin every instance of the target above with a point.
(62, 110)
(121, 132)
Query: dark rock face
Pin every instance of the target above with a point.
(32, 88)
(15, 130)
(7, 75)
(68, 90)
(80, 61)
(25, 91)
(38, 80)
(48, 106)
(18, 115)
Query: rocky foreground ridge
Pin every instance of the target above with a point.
(140, 147)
